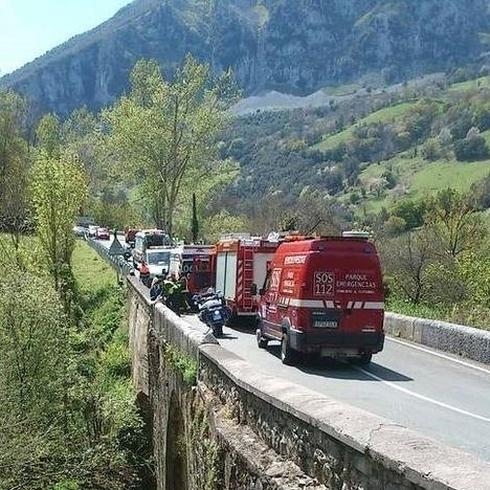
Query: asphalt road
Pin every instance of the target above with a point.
(441, 396)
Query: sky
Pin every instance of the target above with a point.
(29, 28)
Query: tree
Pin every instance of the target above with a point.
(195, 222)
(33, 360)
(431, 150)
(82, 135)
(162, 131)
(407, 260)
(223, 222)
(14, 167)
(58, 189)
(455, 227)
(48, 135)
(411, 212)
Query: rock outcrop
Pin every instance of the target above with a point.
(293, 46)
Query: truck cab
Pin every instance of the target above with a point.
(323, 296)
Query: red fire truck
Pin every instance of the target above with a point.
(241, 267)
(198, 261)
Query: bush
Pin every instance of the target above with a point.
(431, 150)
(116, 361)
(471, 149)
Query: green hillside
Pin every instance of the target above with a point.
(388, 114)
(367, 152)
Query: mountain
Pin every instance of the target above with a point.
(290, 46)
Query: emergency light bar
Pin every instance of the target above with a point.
(355, 234)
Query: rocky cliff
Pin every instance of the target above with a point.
(293, 46)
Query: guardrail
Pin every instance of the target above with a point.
(118, 262)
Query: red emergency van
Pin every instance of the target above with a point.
(323, 296)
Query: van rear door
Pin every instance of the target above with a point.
(346, 275)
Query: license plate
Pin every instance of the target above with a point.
(325, 324)
(325, 319)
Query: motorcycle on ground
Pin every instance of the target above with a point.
(213, 311)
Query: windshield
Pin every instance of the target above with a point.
(158, 258)
(157, 240)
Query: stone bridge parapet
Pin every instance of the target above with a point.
(218, 423)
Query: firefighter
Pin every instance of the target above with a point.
(172, 293)
(144, 274)
(186, 294)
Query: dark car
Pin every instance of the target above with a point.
(102, 234)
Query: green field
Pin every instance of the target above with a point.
(482, 82)
(90, 270)
(383, 115)
(419, 178)
(439, 175)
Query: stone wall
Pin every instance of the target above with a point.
(219, 424)
(468, 342)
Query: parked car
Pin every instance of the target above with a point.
(102, 234)
(92, 231)
(80, 231)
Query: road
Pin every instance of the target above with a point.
(441, 396)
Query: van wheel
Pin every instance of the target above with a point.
(262, 342)
(364, 359)
(288, 355)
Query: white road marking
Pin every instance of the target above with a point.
(424, 398)
(437, 354)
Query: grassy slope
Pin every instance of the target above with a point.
(421, 178)
(417, 177)
(383, 115)
(91, 272)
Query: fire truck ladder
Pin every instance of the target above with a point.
(248, 278)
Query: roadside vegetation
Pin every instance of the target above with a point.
(71, 419)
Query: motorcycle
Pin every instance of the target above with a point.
(213, 311)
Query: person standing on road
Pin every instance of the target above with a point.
(144, 274)
(184, 287)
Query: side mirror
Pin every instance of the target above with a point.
(253, 289)
(262, 291)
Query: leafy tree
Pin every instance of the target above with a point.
(33, 368)
(49, 135)
(481, 193)
(481, 116)
(82, 135)
(454, 224)
(407, 260)
(470, 149)
(58, 189)
(431, 149)
(223, 222)
(163, 132)
(411, 212)
(195, 222)
(15, 161)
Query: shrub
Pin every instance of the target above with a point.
(471, 149)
